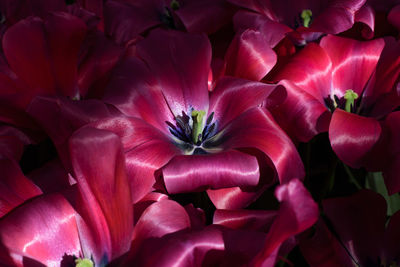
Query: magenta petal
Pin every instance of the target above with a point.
(231, 97)
(359, 221)
(204, 16)
(189, 173)
(249, 57)
(44, 230)
(138, 95)
(292, 218)
(263, 7)
(301, 115)
(15, 188)
(24, 60)
(259, 220)
(105, 198)
(182, 66)
(366, 15)
(65, 35)
(353, 136)
(348, 55)
(257, 129)
(311, 70)
(394, 16)
(159, 219)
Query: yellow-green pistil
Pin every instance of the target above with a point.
(306, 16)
(83, 263)
(350, 96)
(174, 5)
(197, 116)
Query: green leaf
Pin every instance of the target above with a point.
(376, 183)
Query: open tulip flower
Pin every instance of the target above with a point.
(199, 140)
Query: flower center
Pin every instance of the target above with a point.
(191, 132)
(83, 263)
(347, 102)
(306, 17)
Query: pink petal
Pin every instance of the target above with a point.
(311, 70)
(297, 212)
(15, 188)
(105, 198)
(138, 95)
(359, 221)
(249, 57)
(301, 115)
(182, 73)
(24, 60)
(159, 219)
(259, 220)
(147, 149)
(43, 230)
(64, 34)
(353, 136)
(257, 129)
(348, 55)
(231, 97)
(192, 173)
(204, 16)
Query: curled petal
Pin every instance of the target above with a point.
(353, 136)
(249, 57)
(15, 188)
(105, 199)
(292, 218)
(259, 220)
(353, 219)
(195, 172)
(366, 15)
(183, 78)
(34, 231)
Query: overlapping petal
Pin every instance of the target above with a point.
(105, 199)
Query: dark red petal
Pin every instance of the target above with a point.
(323, 249)
(297, 212)
(43, 230)
(262, 7)
(394, 16)
(348, 55)
(105, 199)
(204, 16)
(249, 56)
(353, 136)
(366, 15)
(359, 221)
(15, 188)
(392, 237)
(64, 34)
(191, 173)
(258, 220)
(124, 21)
(182, 65)
(24, 60)
(231, 97)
